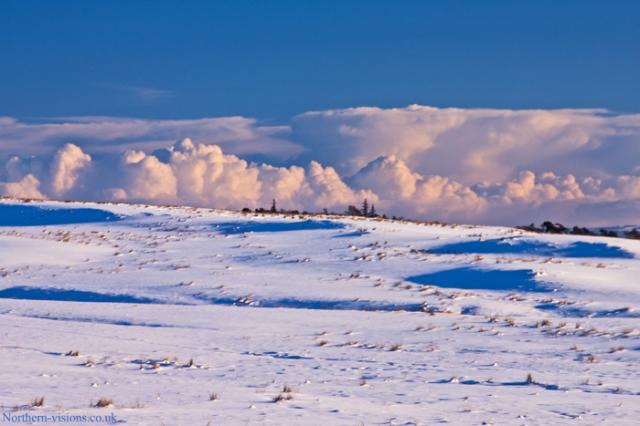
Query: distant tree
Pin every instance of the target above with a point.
(530, 228)
(365, 208)
(554, 228)
(325, 211)
(608, 233)
(246, 210)
(372, 212)
(581, 231)
(353, 211)
(274, 209)
(633, 234)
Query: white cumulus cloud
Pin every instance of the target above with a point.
(464, 165)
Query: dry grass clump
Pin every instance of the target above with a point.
(38, 402)
(285, 395)
(282, 397)
(543, 323)
(103, 403)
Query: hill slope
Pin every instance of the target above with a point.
(361, 320)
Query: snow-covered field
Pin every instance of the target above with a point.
(187, 316)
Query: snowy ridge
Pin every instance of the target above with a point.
(188, 316)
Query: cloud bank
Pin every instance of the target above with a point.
(464, 165)
(240, 135)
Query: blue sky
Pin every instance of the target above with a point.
(320, 104)
(275, 59)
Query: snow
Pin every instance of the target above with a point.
(366, 321)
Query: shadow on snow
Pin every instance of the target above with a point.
(24, 215)
(306, 225)
(492, 383)
(579, 312)
(57, 294)
(483, 279)
(293, 303)
(535, 248)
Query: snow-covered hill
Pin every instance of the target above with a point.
(187, 316)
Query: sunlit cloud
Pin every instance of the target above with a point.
(238, 135)
(475, 166)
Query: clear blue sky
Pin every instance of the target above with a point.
(273, 59)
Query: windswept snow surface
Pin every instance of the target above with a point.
(188, 316)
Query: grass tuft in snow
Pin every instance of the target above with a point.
(282, 397)
(38, 402)
(285, 395)
(103, 403)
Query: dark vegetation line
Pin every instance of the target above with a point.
(546, 227)
(549, 227)
(364, 211)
